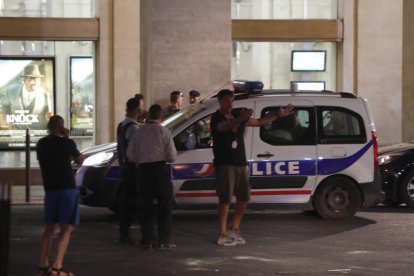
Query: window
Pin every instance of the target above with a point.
(196, 136)
(295, 129)
(340, 126)
(270, 62)
(286, 9)
(49, 8)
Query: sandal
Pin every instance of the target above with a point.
(58, 271)
(43, 271)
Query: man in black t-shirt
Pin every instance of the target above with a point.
(230, 163)
(55, 152)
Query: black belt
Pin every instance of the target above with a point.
(152, 164)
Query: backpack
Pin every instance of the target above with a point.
(122, 142)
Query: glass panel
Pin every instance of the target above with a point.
(271, 63)
(196, 136)
(284, 9)
(295, 129)
(82, 92)
(49, 8)
(341, 126)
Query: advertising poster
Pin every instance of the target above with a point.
(82, 96)
(26, 99)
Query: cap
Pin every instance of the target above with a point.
(194, 93)
(224, 92)
(132, 104)
(32, 71)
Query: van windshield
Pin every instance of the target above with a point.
(176, 120)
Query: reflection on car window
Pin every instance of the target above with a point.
(175, 121)
(196, 136)
(295, 129)
(340, 125)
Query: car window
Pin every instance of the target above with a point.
(340, 125)
(196, 136)
(296, 129)
(178, 119)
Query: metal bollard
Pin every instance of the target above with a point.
(27, 171)
(5, 197)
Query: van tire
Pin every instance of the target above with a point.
(337, 198)
(406, 189)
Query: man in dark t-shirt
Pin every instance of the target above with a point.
(227, 127)
(55, 152)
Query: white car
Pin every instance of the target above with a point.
(323, 156)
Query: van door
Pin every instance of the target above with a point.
(283, 155)
(193, 172)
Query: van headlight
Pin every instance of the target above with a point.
(98, 159)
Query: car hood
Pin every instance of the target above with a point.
(99, 148)
(396, 148)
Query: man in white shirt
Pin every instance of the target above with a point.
(151, 147)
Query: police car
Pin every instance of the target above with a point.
(323, 156)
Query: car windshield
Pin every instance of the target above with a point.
(176, 120)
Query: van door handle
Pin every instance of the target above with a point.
(265, 155)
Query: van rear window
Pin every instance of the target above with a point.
(340, 126)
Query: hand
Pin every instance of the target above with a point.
(244, 115)
(285, 110)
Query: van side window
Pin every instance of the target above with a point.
(295, 129)
(196, 136)
(340, 126)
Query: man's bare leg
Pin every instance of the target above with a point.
(62, 244)
(238, 215)
(45, 245)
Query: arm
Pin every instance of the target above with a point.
(283, 112)
(130, 150)
(227, 126)
(79, 159)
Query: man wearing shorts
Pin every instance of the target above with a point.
(55, 152)
(227, 126)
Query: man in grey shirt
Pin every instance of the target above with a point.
(151, 147)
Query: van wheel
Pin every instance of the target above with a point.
(406, 189)
(337, 198)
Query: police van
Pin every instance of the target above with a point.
(323, 156)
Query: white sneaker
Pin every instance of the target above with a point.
(226, 240)
(235, 235)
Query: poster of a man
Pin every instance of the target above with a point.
(25, 99)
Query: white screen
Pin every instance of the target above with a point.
(308, 61)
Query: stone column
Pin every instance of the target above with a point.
(186, 44)
(380, 64)
(408, 72)
(118, 64)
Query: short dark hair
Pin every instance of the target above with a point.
(55, 122)
(175, 95)
(155, 112)
(223, 93)
(132, 104)
(194, 93)
(139, 97)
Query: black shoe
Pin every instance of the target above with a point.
(166, 246)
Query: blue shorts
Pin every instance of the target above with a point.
(62, 207)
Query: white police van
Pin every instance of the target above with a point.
(323, 156)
